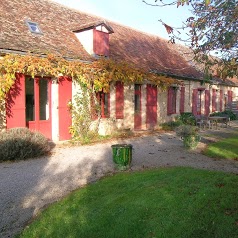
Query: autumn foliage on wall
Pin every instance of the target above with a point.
(99, 73)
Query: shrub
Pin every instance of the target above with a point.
(171, 125)
(189, 135)
(187, 118)
(84, 128)
(21, 143)
(186, 130)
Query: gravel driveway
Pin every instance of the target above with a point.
(28, 186)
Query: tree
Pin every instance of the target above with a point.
(212, 30)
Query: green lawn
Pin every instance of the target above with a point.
(226, 148)
(168, 202)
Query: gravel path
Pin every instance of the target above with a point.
(28, 186)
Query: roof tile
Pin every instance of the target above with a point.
(57, 23)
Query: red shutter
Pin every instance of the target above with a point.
(182, 99)
(207, 102)
(15, 103)
(214, 106)
(221, 100)
(119, 100)
(65, 117)
(229, 96)
(194, 101)
(108, 104)
(169, 101)
(100, 43)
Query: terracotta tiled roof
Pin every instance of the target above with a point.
(149, 51)
(54, 21)
(58, 22)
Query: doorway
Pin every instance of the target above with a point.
(151, 106)
(38, 105)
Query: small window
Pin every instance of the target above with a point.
(33, 27)
(104, 102)
(199, 102)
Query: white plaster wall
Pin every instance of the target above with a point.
(2, 115)
(109, 125)
(128, 121)
(102, 28)
(86, 39)
(161, 106)
(55, 111)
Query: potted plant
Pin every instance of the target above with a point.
(122, 155)
(189, 135)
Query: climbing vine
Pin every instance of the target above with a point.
(99, 72)
(93, 76)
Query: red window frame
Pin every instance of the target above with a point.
(137, 98)
(104, 103)
(199, 102)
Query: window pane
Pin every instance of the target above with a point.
(174, 96)
(199, 101)
(30, 103)
(137, 98)
(43, 100)
(105, 104)
(137, 103)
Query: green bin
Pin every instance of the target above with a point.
(122, 155)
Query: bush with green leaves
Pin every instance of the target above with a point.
(21, 143)
(171, 125)
(187, 118)
(228, 113)
(189, 135)
(84, 128)
(186, 130)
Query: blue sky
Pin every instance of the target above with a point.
(133, 13)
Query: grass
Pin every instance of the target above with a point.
(169, 202)
(226, 148)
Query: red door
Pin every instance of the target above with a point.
(38, 105)
(151, 106)
(65, 96)
(137, 108)
(15, 103)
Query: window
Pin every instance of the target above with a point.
(172, 95)
(199, 102)
(37, 99)
(221, 100)
(104, 103)
(137, 98)
(33, 27)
